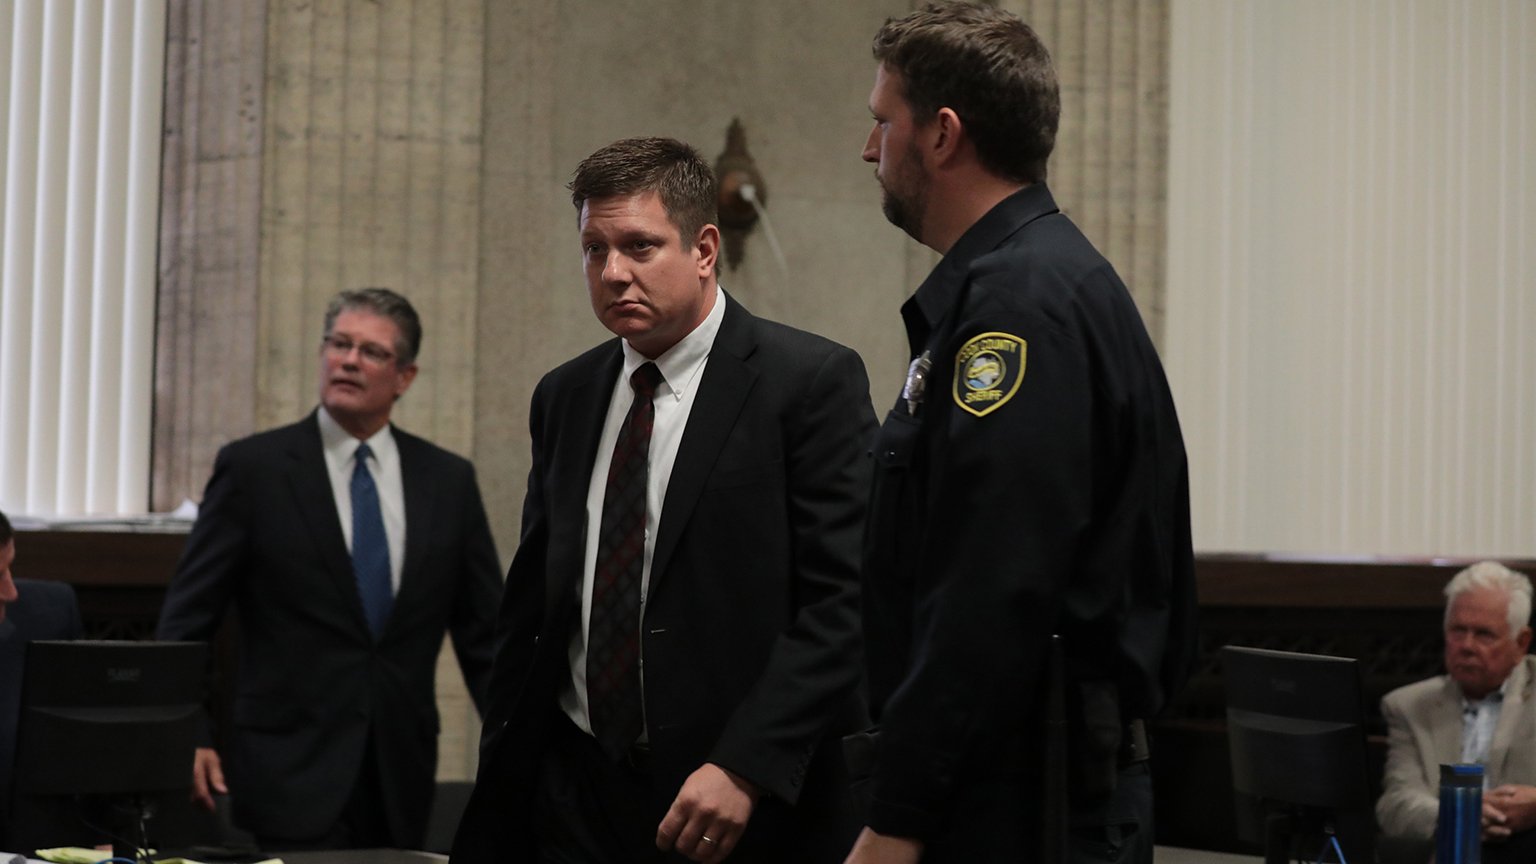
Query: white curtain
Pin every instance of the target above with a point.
(82, 83)
(1352, 273)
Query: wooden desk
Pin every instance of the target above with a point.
(362, 856)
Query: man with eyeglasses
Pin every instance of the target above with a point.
(348, 547)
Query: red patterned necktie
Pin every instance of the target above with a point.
(613, 638)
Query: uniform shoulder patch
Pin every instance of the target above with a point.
(988, 369)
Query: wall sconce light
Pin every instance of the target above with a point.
(740, 192)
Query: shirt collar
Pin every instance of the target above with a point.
(338, 442)
(936, 295)
(681, 363)
(1494, 698)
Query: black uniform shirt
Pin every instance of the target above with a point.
(1034, 482)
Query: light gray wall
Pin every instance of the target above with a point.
(562, 81)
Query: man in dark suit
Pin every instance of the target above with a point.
(680, 639)
(348, 547)
(29, 610)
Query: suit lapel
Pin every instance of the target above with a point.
(728, 380)
(1516, 696)
(1445, 727)
(570, 444)
(309, 480)
(419, 485)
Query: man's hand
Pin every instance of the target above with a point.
(709, 814)
(874, 848)
(1494, 823)
(207, 777)
(1517, 804)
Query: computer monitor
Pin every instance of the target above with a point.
(103, 728)
(1296, 728)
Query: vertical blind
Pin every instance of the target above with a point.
(82, 82)
(1352, 273)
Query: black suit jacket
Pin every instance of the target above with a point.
(312, 682)
(43, 610)
(750, 635)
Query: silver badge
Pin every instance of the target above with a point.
(917, 383)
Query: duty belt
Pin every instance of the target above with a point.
(1134, 746)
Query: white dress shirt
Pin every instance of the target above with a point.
(384, 464)
(1478, 721)
(682, 368)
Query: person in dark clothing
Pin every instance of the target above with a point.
(1030, 480)
(680, 625)
(30, 609)
(348, 548)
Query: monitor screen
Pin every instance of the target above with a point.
(103, 719)
(1296, 731)
(1297, 727)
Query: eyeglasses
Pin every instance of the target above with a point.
(341, 346)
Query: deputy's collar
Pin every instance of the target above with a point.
(937, 293)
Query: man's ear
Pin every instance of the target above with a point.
(1523, 639)
(948, 134)
(403, 378)
(708, 247)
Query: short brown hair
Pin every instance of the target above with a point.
(666, 166)
(386, 303)
(5, 530)
(987, 66)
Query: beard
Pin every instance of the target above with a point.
(905, 196)
(902, 212)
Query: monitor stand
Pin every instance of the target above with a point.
(1285, 829)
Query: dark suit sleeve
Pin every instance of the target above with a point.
(499, 817)
(473, 622)
(813, 668)
(72, 628)
(208, 575)
(522, 599)
(46, 610)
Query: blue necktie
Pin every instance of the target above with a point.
(370, 548)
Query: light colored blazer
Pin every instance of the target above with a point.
(1424, 731)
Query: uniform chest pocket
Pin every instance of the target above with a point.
(896, 442)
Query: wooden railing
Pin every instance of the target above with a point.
(1384, 612)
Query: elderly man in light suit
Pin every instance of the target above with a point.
(1480, 711)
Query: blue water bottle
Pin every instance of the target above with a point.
(1459, 836)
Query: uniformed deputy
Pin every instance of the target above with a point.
(1031, 477)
